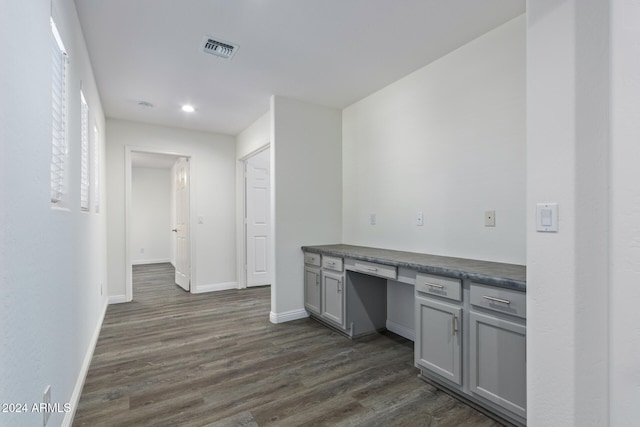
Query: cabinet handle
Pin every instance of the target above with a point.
(454, 325)
(371, 269)
(433, 285)
(503, 301)
(331, 262)
(339, 286)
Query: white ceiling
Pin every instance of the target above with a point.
(326, 52)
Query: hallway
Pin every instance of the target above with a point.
(171, 358)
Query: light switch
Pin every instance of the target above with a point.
(200, 219)
(372, 219)
(547, 217)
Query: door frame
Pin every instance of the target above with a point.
(241, 254)
(129, 149)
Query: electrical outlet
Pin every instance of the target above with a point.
(46, 399)
(420, 219)
(141, 250)
(489, 218)
(372, 219)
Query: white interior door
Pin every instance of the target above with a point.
(257, 219)
(183, 256)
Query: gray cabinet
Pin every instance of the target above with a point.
(498, 346)
(333, 297)
(438, 338)
(498, 364)
(312, 289)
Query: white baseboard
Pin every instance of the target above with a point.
(150, 261)
(215, 287)
(288, 316)
(84, 370)
(401, 330)
(117, 299)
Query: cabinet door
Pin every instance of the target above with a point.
(438, 338)
(497, 359)
(333, 297)
(312, 288)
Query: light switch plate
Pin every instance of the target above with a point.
(547, 217)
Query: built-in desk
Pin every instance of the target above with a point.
(492, 273)
(469, 316)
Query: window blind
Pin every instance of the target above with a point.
(59, 112)
(85, 183)
(96, 169)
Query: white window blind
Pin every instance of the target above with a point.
(59, 112)
(96, 169)
(85, 183)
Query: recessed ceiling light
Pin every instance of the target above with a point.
(188, 108)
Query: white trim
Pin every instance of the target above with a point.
(214, 287)
(288, 316)
(401, 330)
(84, 370)
(118, 299)
(151, 261)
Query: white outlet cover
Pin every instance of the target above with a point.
(489, 218)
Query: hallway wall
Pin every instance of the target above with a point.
(52, 260)
(213, 168)
(151, 205)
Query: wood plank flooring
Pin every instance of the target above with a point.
(171, 358)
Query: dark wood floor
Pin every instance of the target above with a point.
(170, 358)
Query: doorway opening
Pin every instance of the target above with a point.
(157, 214)
(257, 219)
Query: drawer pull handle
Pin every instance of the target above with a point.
(454, 325)
(312, 258)
(503, 301)
(371, 269)
(433, 285)
(331, 262)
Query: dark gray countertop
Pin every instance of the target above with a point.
(510, 276)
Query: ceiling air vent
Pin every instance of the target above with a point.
(218, 48)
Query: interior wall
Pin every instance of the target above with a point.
(254, 137)
(212, 168)
(151, 215)
(447, 140)
(568, 122)
(306, 179)
(52, 261)
(624, 256)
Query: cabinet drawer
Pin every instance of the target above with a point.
(374, 269)
(312, 259)
(331, 263)
(499, 299)
(444, 287)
